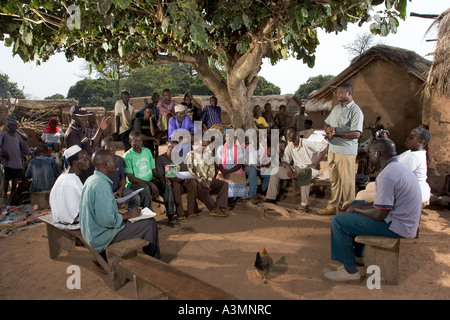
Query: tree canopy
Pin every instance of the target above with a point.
(209, 35)
(94, 93)
(313, 83)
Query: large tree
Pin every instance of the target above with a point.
(209, 35)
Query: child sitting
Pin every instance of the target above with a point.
(42, 170)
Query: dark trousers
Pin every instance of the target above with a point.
(218, 187)
(191, 188)
(144, 229)
(124, 136)
(164, 191)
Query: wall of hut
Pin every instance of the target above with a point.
(439, 146)
(387, 90)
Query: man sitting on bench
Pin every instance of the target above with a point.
(66, 192)
(306, 156)
(100, 221)
(394, 213)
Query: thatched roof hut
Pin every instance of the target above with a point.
(437, 88)
(387, 82)
(411, 62)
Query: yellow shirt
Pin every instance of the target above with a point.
(262, 121)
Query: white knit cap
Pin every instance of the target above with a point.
(179, 108)
(71, 151)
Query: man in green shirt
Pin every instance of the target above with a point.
(141, 172)
(100, 220)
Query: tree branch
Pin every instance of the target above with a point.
(427, 16)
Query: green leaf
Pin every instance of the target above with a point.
(9, 42)
(27, 38)
(189, 5)
(236, 23)
(401, 7)
(304, 12)
(247, 21)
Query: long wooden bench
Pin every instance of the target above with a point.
(65, 240)
(155, 279)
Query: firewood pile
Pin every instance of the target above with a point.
(33, 115)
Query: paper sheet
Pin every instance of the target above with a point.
(184, 175)
(146, 213)
(317, 136)
(123, 199)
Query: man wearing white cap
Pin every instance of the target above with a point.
(179, 124)
(66, 192)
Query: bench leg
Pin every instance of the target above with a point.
(144, 291)
(58, 241)
(119, 251)
(386, 259)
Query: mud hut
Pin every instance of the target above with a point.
(437, 116)
(387, 82)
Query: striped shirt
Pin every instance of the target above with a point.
(212, 115)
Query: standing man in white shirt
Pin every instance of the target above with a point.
(343, 127)
(124, 115)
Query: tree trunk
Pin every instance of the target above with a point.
(234, 93)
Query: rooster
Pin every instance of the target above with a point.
(263, 264)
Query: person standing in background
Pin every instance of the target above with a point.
(124, 115)
(343, 127)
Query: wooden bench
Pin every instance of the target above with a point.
(64, 240)
(383, 252)
(155, 279)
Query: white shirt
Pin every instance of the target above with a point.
(305, 154)
(65, 201)
(416, 161)
(126, 115)
(52, 137)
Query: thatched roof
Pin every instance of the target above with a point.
(439, 75)
(413, 64)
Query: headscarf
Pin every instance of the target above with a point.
(49, 129)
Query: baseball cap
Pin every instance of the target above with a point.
(78, 111)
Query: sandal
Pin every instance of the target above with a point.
(183, 219)
(218, 213)
(174, 223)
(194, 215)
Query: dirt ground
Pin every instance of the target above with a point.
(221, 251)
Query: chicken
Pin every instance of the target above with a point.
(263, 264)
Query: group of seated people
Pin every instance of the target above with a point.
(228, 168)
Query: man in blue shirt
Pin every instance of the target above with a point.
(100, 220)
(394, 213)
(42, 170)
(212, 114)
